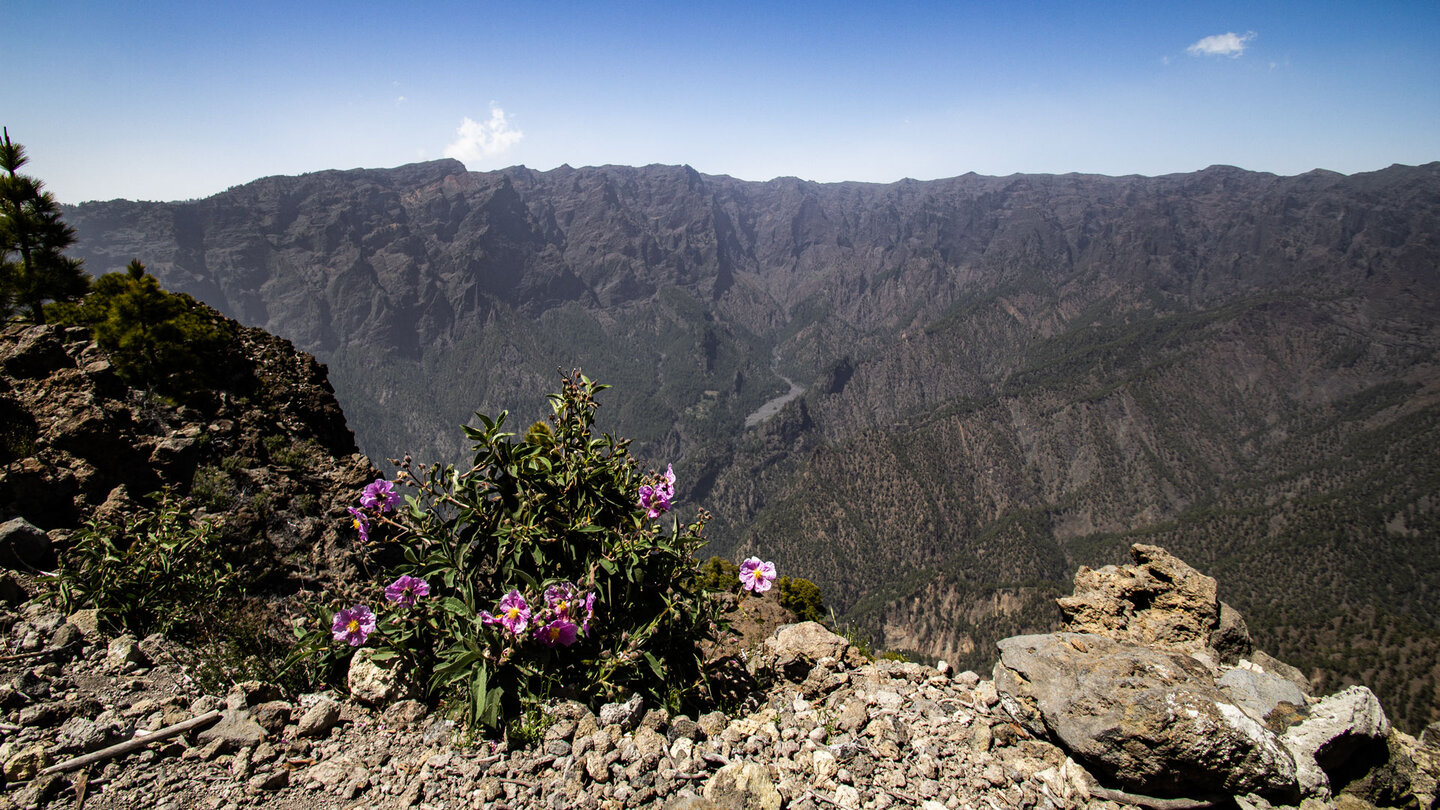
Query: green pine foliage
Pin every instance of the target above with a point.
(33, 267)
(155, 338)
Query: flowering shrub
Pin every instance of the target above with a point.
(540, 571)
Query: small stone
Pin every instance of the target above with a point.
(246, 694)
(269, 782)
(66, 635)
(87, 621)
(319, 719)
(743, 786)
(235, 730)
(272, 715)
(712, 724)
(625, 715)
(332, 773)
(683, 726)
(371, 683)
(986, 694)
(405, 713)
(23, 546)
(24, 765)
(980, 738)
(124, 655)
(824, 765)
(847, 797)
(655, 719)
(596, 767)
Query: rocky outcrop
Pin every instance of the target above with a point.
(828, 731)
(1146, 689)
(268, 454)
(1159, 601)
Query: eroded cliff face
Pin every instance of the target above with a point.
(1003, 377)
(268, 454)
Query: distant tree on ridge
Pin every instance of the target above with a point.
(33, 267)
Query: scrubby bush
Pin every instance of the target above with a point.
(158, 570)
(719, 574)
(801, 597)
(546, 569)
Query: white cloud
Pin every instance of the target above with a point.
(477, 141)
(1228, 44)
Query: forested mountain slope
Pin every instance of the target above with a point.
(1003, 376)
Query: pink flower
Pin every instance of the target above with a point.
(655, 500)
(381, 495)
(560, 632)
(406, 590)
(756, 575)
(589, 613)
(353, 625)
(361, 523)
(565, 602)
(560, 600)
(514, 613)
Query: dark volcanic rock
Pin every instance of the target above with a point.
(270, 450)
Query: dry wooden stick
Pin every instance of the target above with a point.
(1150, 801)
(34, 654)
(133, 744)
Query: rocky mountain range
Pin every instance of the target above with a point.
(935, 399)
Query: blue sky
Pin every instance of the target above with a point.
(174, 100)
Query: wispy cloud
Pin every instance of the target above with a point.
(477, 141)
(1228, 44)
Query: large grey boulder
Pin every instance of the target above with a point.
(1260, 693)
(1338, 728)
(24, 547)
(1148, 720)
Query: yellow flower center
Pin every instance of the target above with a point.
(353, 626)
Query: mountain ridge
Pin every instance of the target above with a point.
(1005, 376)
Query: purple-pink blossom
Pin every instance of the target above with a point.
(406, 590)
(756, 575)
(380, 494)
(514, 613)
(560, 599)
(560, 632)
(589, 613)
(353, 625)
(566, 602)
(655, 500)
(361, 523)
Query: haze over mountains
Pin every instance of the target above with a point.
(1003, 377)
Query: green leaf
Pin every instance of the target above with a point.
(655, 666)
